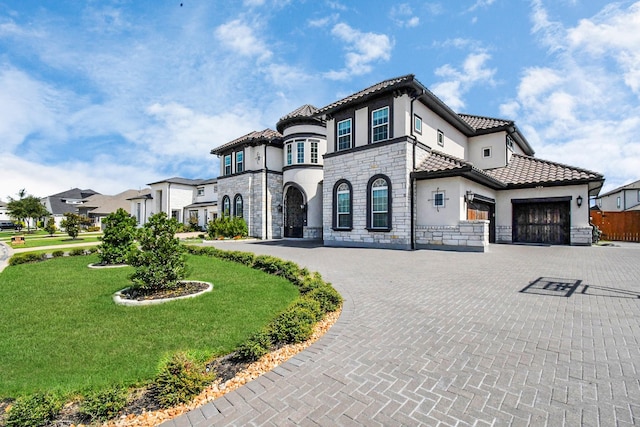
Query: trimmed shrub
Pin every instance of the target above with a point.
(26, 258)
(292, 326)
(104, 404)
(77, 252)
(310, 282)
(245, 258)
(160, 262)
(256, 346)
(57, 254)
(180, 379)
(226, 226)
(92, 249)
(118, 238)
(310, 304)
(94, 227)
(329, 299)
(276, 266)
(33, 411)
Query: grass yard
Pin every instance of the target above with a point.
(39, 241)
(61, 331)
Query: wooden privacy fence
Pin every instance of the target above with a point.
(621, 226)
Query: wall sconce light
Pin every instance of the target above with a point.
(279, 208)
(302, 206)
(258, 158)
(579, 201)
(469, 196)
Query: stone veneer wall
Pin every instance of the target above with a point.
(581, 236)
(504, 234)
(250, 186)
(393, 159)
(472, 236)
(314, 233)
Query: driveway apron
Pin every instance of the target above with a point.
(520, 335)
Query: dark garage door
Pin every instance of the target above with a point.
(542, 222)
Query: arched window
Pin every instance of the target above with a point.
(342, 205)
(237, 205)
(226, 206)
(379, 203)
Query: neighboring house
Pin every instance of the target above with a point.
(625, 198)
(393, 166)
(179, 198)
(98, 206)
(4, 215)
(68, 201)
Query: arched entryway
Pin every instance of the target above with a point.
(294, 212)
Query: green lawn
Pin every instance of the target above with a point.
(61, 331)
(38, 241)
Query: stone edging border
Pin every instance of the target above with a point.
(119, 300)
(99, 266)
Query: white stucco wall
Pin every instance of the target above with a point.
(498, 145)
(309, 181)
(455, 142)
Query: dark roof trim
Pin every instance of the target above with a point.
(467, 171)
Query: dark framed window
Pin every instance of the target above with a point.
(289, 159)
(300, 151)
(380, 124)
(314, 151)
(440, 138)
(226, 206)
(379, 203)
(486, 152)
(237, 206)
(342, 205)
(509, 143)
(227, 164)
(417, 124)
(239, 161)
(438, 199)
(344, 134)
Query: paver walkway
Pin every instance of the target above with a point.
(521, 335)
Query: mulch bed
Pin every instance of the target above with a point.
(183, 289)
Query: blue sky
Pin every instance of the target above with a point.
(115, 94)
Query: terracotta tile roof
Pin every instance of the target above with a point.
(378, 87)
(437, 162)
(526, 170)
(306, 110)
(482, 123)
(267, 135)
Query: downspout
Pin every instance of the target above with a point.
(266, 194)
(412, 180)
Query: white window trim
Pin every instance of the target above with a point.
(350, 134)
(417, 128)
(299, 143)
(510, 143)
(200, 191)
(289, 155)
(241, 162)
(374, 126)
(484, 156)
(227, 157)
(440, 138)
(435, 199)
(314, 150)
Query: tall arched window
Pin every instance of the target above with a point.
(237, 205)
(226, 206)
(342, 205)
(379, 203)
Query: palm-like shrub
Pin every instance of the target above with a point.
(160, 259)
(118, 239)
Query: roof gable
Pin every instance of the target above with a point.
(632, 186)
(266, 136)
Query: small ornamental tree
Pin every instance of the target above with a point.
(71, 224)
(118, 238)
(160, 260)
(51, 226)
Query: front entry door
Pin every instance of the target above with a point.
(294, 214)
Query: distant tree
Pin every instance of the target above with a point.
(26, 207)
(159, 261)
(118, 239)
(51, 226)
(72, 223)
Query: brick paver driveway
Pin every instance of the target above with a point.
(520, 335)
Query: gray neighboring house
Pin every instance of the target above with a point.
(621, 199)
(393, 166)
(4, 216)
(179, 198)
(98, 206)
(69, 201)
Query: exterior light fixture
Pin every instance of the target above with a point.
(279, 208)
(469, 196)
(579, 201)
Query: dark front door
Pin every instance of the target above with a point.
(547, 223)
(294, 214)
(483, 210)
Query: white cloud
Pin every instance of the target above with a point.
(363, 49)
(582, 107)
(481, 3)
(403, 16)
(323, 22)
(241, 38)
(458, 82)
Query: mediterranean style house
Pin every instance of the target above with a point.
(179, 198)
(392, 166)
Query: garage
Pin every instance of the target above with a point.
(545, 221)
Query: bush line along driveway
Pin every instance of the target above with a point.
(520, 335)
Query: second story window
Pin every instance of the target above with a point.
(380, 124)
(200, 191)
(509, 143)
(239, 161)
(441, 138)
(227, 164)
(289, 160)
(344, 134)
(417, 124)
(314, 152)
(300, 152)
